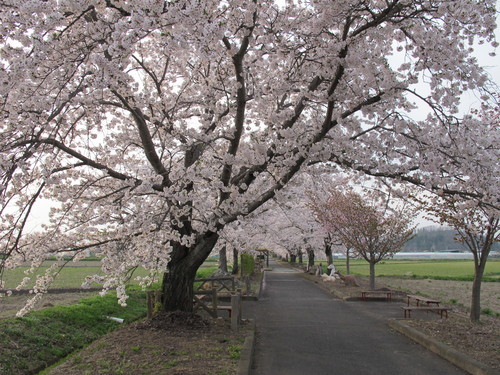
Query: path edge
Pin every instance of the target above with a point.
(454, 356)
(247, 352)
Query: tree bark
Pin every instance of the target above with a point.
(479, 266)
(293, 258)
(223, 259)
(178, 288)
(300, 255)
(310, 258)
(475, 308)
(372, 275)
(236, 267)
(347, 263)
(178, 281)
(328, 251)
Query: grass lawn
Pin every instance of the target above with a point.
(440, 269)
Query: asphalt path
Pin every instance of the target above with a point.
(302, 330)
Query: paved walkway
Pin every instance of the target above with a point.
(302, 330)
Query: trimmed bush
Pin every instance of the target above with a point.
(247, 264)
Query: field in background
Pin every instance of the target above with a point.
(442, 269)
(73, 274)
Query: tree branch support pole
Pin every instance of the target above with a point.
(235, 310)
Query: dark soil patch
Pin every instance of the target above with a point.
(171, 344)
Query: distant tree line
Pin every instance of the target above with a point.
(435, 238)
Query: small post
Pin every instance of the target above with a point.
(153, 297)
(150, 303)
(248, 285)
(235, 310)
(240, 309)
(214, 300)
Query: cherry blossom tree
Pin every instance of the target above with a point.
(477, 223)
(372, 230)
(151, 125)
(478, 227)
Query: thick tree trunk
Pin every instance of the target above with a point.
(178, 288)
(301, 258)
(310, 258)
(372, 275)
(293, 258)
(178, 281)
(223, 259)
(236, 267)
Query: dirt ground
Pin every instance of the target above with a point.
(480, 341)
(172, 344)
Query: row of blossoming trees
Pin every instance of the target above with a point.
(153, 127)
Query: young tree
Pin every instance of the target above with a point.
(371, 230)
(478, 228)
(475, 218)
(152, 125)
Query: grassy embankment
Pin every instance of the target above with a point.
(41, 338)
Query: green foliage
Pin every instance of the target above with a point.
(205, 272)
(234, 351)
(247, 264)
(41, 338)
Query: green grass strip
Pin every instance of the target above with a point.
(31, 343)
(42, 338)
(445, 269)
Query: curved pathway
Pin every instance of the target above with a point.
(302, 330)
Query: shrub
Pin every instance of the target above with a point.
(247, 264)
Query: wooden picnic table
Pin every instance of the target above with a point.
(439, 309)
(419, 299)
(365, 294)
(430, 305)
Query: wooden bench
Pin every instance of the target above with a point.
(229, 309)
(387, 293)
(439, 309)
(419, 299)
